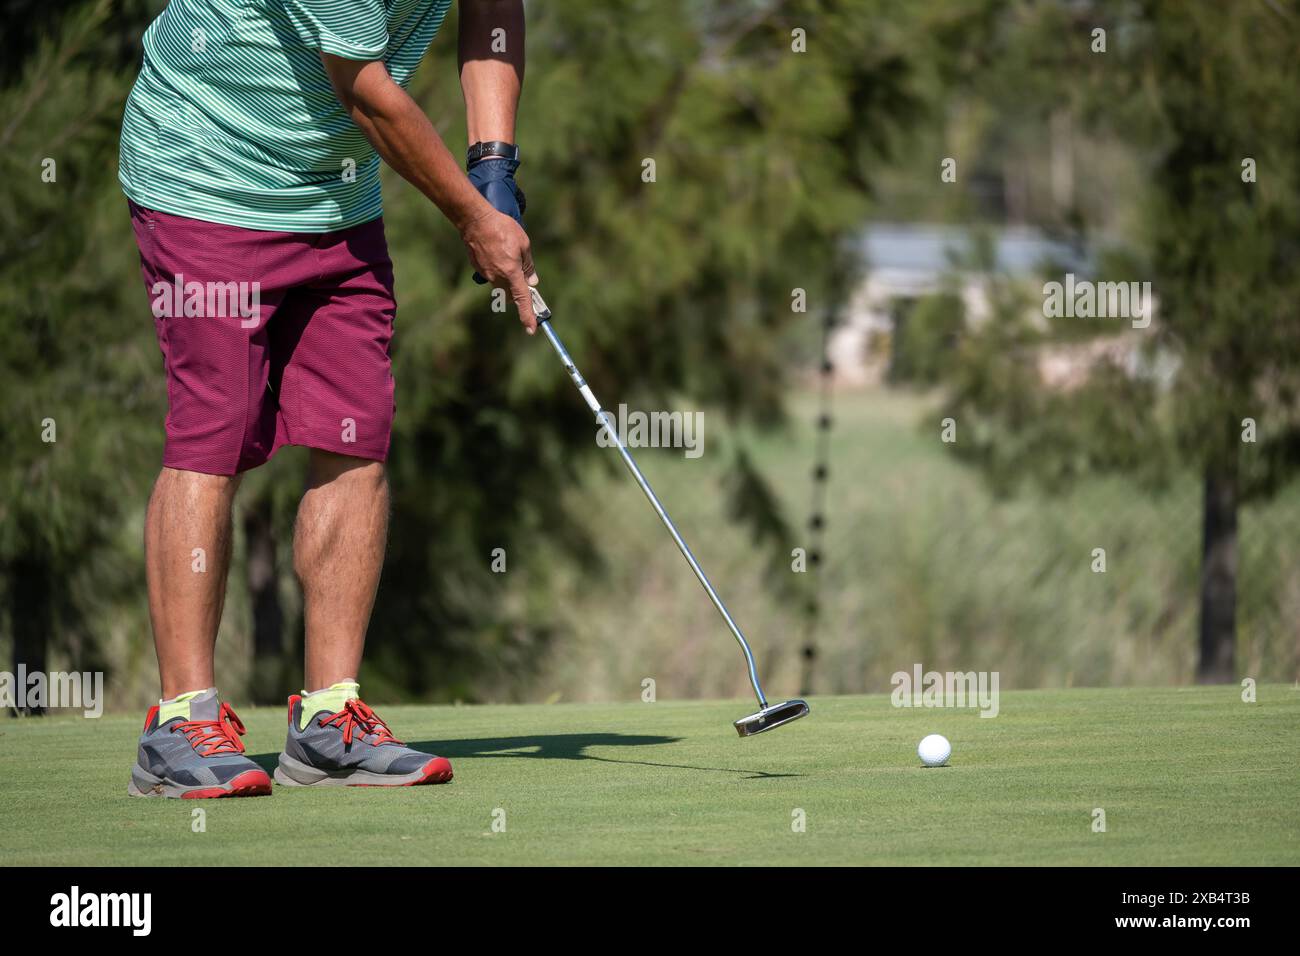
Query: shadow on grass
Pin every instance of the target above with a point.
(570, 747)
(551, 747)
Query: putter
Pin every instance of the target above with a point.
(768, 716)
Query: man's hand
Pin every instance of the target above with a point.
(407, 141)
(500, 251)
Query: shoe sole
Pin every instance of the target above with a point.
(250, 783)
(295, 773)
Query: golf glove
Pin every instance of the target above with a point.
(495, 181)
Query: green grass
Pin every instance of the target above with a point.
(1190, 776)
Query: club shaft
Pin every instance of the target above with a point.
(605, 420)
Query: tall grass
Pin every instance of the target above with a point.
(921, 565)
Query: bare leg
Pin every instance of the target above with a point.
(338, 552)
(187, 556)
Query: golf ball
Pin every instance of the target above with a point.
(934, 750)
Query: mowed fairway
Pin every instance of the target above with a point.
(1185, 776)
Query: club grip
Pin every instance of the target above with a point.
(540, 308)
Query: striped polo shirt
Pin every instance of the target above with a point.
(233, 119)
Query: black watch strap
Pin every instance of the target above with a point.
(493, 149)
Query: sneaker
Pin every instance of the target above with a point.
(190, 748)
(336, 740)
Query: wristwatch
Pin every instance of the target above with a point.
(494, 149)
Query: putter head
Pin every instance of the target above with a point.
(771, 717)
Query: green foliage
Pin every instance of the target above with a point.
(1223, 85)
(926, 332)
(922, 561)
(76, 345)
(1195, 89)
(676, 292)
(670, 293)
(1206, 97)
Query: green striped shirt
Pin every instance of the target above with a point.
(233, 119)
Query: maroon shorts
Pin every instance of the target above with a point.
(269, 339)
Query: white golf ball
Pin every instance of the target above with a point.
(934, 750)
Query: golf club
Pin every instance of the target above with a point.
(768, 716)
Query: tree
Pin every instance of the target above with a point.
(677, 284)
(74, 356)
(1205, 93)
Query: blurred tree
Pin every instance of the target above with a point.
(673, 286)
(765, 123)
(75, 363)
(926, 332)
(1204, 92)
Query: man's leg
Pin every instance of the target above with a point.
(190, 744)
(336, 397)
(187, 555)
(338, 552)
(334, 738)
(221, 420)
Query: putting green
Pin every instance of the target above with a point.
(1184, 776)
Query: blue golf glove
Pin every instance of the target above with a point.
(495, 181)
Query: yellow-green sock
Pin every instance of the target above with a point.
(179, 706)
(331, 698)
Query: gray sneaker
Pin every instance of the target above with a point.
(350, 747)
(196, 752)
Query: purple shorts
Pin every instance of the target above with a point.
(269, 339)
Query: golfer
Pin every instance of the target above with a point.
(250, 155)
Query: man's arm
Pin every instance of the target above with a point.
(407, 141)
(491, 79)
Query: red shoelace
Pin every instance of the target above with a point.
(220, 736)
(356, 713)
